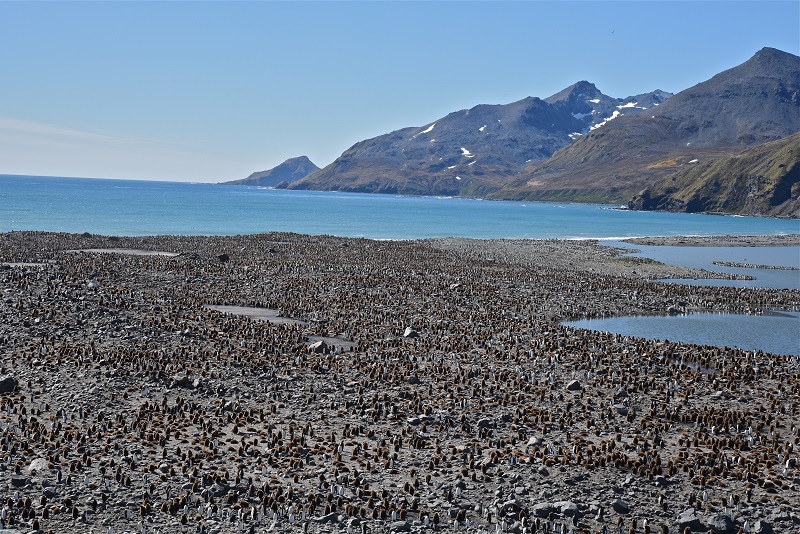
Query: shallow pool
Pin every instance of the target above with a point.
(778, 333)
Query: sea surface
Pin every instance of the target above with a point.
(135, 208)
(131, 208)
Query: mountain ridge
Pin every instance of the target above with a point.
(746, 105)
(470, 152)
(577, 145)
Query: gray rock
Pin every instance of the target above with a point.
(8, 384)
(38, 466)
(621, 409)
(219, 490)
(543, 509)
(319, 347)
(574, 385)
(567, 508)
(413, 380)
(181, 382)
(485, 422)
(400, 526)
(410, 333)
(332, 517)
(543, 471)
(18, 481)
(721, 523)
(621, 507)
(762, 527)
(688, 518)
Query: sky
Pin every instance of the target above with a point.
(207, 91)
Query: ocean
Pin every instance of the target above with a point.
(132, 208)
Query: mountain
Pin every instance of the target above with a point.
(476, 151)
(764, 180)
(752, 103)
(289, 171)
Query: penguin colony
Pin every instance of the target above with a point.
(457, 402)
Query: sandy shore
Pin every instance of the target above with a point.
(454, 400)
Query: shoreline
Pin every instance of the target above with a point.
(720, 241)
(446, 389)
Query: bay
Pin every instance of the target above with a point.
(134, 207)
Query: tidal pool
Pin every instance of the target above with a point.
(776, 332)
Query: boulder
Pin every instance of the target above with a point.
(332, 517)
(620, 393)
(567, 508)
(721, 523)
(762, 527)
(39, 466)
(179, 381)
(410, 333)
(688, 518)
(621, 507)
(543, 509)
(319, 347)
(8, 384)
(574, 385)
(18, 481)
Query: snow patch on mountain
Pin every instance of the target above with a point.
(612, 117)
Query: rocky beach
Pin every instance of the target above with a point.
(292, 383)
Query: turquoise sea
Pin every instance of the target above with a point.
(126, 207)
(132, 208)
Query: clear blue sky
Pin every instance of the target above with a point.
(207, 91)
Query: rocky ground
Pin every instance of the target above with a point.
(377, 386)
